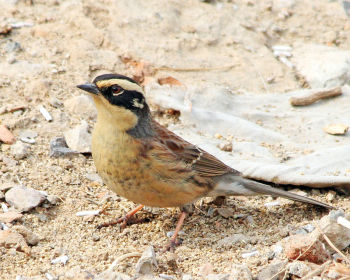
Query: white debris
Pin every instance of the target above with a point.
(344, 222)
(280, 50)
(21, 24)
(88, 213)
(49, 276)
(250, 254)
(4, 207)
(171, 233)
(61, 259)
(45, 113)
(272, 203)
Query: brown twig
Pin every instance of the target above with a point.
(308, 100)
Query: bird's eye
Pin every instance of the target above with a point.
(116, 90)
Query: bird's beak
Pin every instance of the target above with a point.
(91, 88)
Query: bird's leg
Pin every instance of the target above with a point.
(172, 242)
(124, 220)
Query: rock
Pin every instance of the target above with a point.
(187, 277)
(147, 262)
(240, 272)
(230, 241)
(23, 198)
(308, 228)
(225, 212)
(94, 177)
(322, 66)
(79, 138)
(338, 235)
(12, 239)
(305, 247)
(81, 105)
(59, 148)
(30, 237)
(20, 150)
(299, 269)
(28, 136)
(6, 135)
(10, 216)
(226, 147)
(53, 199)
(272, 271)
(330, 196)
(6, 186)
(12, 46)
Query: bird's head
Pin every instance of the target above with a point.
(119, 99)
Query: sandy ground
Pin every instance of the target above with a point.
(70, 42)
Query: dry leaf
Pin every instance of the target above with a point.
(169, 81)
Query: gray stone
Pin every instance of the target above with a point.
(23, 198)
(187, 277)
(12, 46)
(81, 105)
(339, 235)
(79, 138)
(147, 262)
(272, 271)
(20, 150)
(298, 268)
(322, 66)
(59, 148)
(240, 272)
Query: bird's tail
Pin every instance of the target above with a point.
(242, 186)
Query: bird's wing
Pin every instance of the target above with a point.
(198, 160)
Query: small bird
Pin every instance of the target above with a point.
(146, 163)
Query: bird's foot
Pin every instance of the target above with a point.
(171, 245)
(128, 219)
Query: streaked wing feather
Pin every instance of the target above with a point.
(203, 163)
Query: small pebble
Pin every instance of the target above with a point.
(20, 150)
(226, 147)
(95, 237)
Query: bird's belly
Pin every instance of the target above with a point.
(139, 180)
